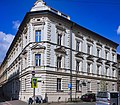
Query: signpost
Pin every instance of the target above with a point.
(34, 84)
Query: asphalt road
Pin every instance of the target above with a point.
(17, 102)
(82, 103)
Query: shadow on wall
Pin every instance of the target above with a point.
(11, 89)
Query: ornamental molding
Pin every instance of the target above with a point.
(37, 46)
(60, 50)
(38, 21)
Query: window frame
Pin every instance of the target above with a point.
(38, 35)
(59, 84)
(59, 62)
(38, 56)
(59, 39)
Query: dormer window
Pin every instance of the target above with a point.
(59, 39)
(38, 36)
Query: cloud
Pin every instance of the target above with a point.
(5, 41)
(16, 24)
(118, 30)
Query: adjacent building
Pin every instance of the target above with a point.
(118, 60)
(60, 52)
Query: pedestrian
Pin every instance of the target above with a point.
(30, 101)
(38, 100)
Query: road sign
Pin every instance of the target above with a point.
(34, 83)
(33, 72)
(69, 85)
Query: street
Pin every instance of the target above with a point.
(82, 103)
(17, 102)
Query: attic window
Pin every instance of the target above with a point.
(38, 19)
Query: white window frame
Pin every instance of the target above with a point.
(38, 60)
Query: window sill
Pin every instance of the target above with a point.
(79, 91)
(60, 91)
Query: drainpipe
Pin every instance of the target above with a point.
(71, 29)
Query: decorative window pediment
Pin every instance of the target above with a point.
(40, 21)
(90, 40)
(37, 46)
(24, 52)
(114, 64)
(99, 60)
(60, 27)
(99, 44)
(107, 62)
(108, 48)
(60, 50)
(79, 54)
(90, 57)
(79, 36)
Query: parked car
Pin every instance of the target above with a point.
(89, 97)
(108, 98)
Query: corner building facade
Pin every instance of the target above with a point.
(57, 49)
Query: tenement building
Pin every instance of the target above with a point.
(67, 59)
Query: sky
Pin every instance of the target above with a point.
(100, 16)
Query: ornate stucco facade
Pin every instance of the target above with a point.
(43, 44)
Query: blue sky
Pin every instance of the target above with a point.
(100, 16)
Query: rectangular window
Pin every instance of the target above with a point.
(89, 49)
(113, 57)
(59, 84)
(38, 36)
(77, 85)
(98, 86)
(106, 71)
(98, 69)
(88, 67)
(37, 59)
(59, 62)
(113, 87)
(106, 55)
(98, 52)
(88, 86)
(59, 39)
(113, 72)
(77, 45)
(77, 66)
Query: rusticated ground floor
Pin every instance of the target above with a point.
(53, 86)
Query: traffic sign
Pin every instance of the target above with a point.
(33, 72)
(69, 85)
(34, 83)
